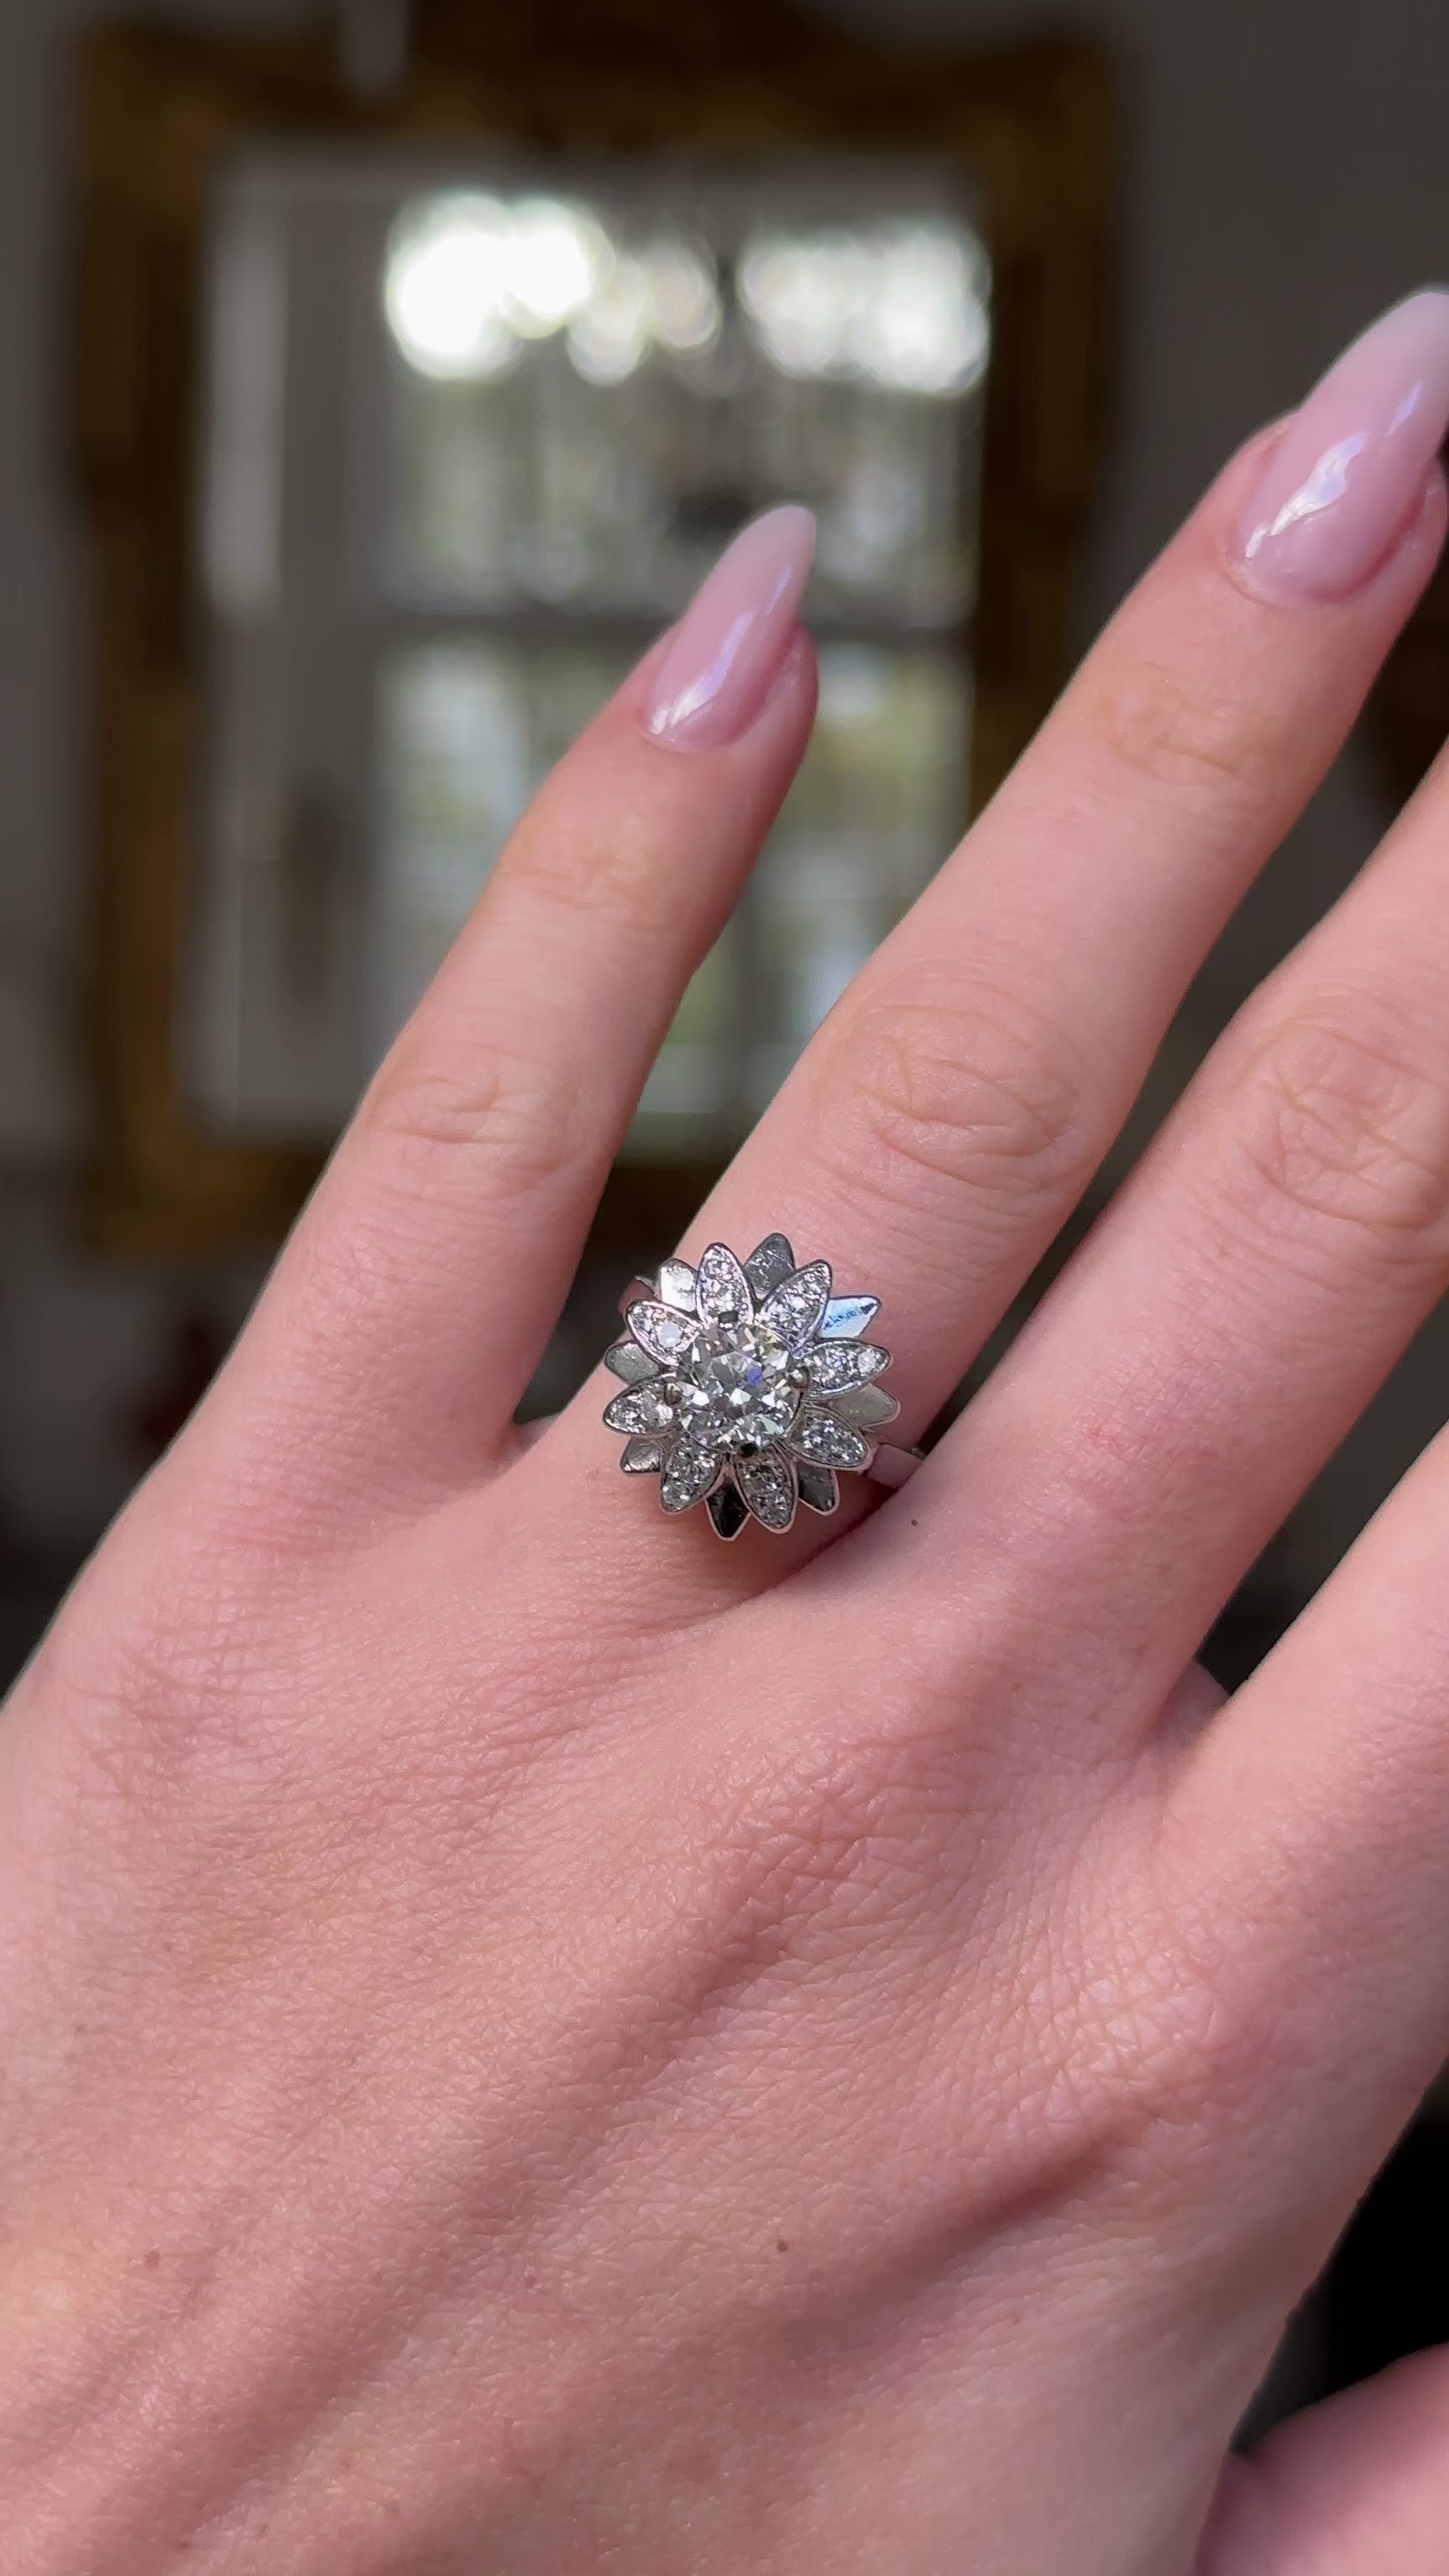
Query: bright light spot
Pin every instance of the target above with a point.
(556, 257)
(664, 295)
(446, 293)
(469, 276)
(902, 304)
(798, 293)
(611, 336)
(925, 327)
(684, 296)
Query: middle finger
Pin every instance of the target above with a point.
(953, 1108)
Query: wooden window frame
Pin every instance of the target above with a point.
(160, 109)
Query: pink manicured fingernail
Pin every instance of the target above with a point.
(1346, 479)
(731, 646)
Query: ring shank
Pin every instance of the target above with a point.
(893, 1467)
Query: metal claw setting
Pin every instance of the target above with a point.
(747, 1386)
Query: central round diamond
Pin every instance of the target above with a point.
(742, 1386)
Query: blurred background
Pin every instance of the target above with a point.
(377, 381)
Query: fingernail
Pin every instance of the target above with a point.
(732, 643)
(1346, 480)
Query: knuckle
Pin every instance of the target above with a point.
(614, 879)
(965, 1096)
(1335, 1124)
(1157, 2052)
(1165, 732)
(518, 1119)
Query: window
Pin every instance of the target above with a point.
(471, 438)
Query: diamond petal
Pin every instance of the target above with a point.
(642, 1457)
(676, 1285)
(644, 1408)
(846, 1317)
(663, 1331)
(834, 1365)
(828, 1443)
(630, 1363)
(865, 1408)
(726, 1509)
(767, 1481)
(818, 1488)
(769, 1263)
(688, 1475)
(796, 1306)
(722, 1292)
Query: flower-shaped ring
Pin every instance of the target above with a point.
(748, 1387)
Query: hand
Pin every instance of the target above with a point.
(537, 2042)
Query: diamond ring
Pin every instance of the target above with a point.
(748, 1387)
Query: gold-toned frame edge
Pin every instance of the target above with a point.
(158, 107)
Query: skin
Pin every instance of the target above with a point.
(534, 2042)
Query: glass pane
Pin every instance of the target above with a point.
(587, 391)
(466, 731)
(877, 805)
(472, 433)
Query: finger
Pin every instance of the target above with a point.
(425, 1279)
(959, 1099)
(1244, 1297)
(1357, 2486)
(1317, 1807)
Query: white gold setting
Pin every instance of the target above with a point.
(748, 1388)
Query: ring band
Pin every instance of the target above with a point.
(748, 1387)
(894, 1467)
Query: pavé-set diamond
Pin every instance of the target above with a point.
(748, 1387)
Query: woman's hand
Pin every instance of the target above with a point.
(538, 2043)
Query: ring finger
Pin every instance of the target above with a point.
(1206, 1351)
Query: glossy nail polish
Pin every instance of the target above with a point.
(732, 642)
(1346, 480)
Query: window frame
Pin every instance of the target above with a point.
(312, 605)
(161, 109)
